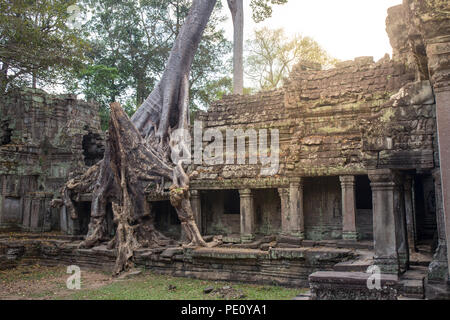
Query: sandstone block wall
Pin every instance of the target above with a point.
(333, 122)
(44, 139)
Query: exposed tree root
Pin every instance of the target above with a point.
(137, 155)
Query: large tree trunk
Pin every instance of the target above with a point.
(3, 77)
(237, 13)
(137, 156)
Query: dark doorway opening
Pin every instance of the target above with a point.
(363, 193)
(364, 211)
(231, 202)
(83, 210)
(5, 133)
(166, 219)
(425, 209)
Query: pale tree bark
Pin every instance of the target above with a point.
(237, 13)
(137, 156)
(3, 78)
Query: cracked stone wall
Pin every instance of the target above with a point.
(44, 139)
(420, 35)
(333, 122)
(359, 115)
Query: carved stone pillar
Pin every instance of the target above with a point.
(443, 120)
(400, 231)
(387, 227)
(296, 212)
(285, 210)
(197, 209)
(348, 208)
(438, 268)
(247, 215)
(410, 214)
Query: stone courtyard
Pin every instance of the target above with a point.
(363, 178)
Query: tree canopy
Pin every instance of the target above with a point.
(131, 42)
(36, 42)
(262, 9)
(272, 54)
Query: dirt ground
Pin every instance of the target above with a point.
(43, 283)
(50, 283)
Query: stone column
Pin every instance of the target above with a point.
(400, 224)
(284, 199)
(438, 268)
(196, 205)
(410, 214)
(443, 124)
(296, 213)
(247, 215)
(384, 220)
(348, 208)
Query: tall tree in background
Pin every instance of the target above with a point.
(237, 14)
(131, 43)
(36, 42)
(271, 56)
(261, 9)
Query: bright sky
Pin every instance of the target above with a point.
(345, 28)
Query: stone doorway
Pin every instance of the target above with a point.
(221, 212)
(425, 211)
(267, 205)
(166, 219)
(83, 210)
(364, 212)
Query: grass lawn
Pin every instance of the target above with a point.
(37, 282)
(150, 286)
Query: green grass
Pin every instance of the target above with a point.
(150, 286)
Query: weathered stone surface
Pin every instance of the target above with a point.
(348, 208)
(289, 267)
(44, 139)
(360, 118)
(351, 286)
(170, 252)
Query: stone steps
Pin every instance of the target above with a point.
(303, 296)
(352, 266)
(360, 264)
(412, 289)
(412, 283)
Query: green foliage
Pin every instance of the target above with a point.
(37, 43)
(156, 287)
(213, 90)
(262, 9)
(131, 42)
(271, 56)
(98, 83)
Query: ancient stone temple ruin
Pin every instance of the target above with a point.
(363, 176)
(43, 140)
